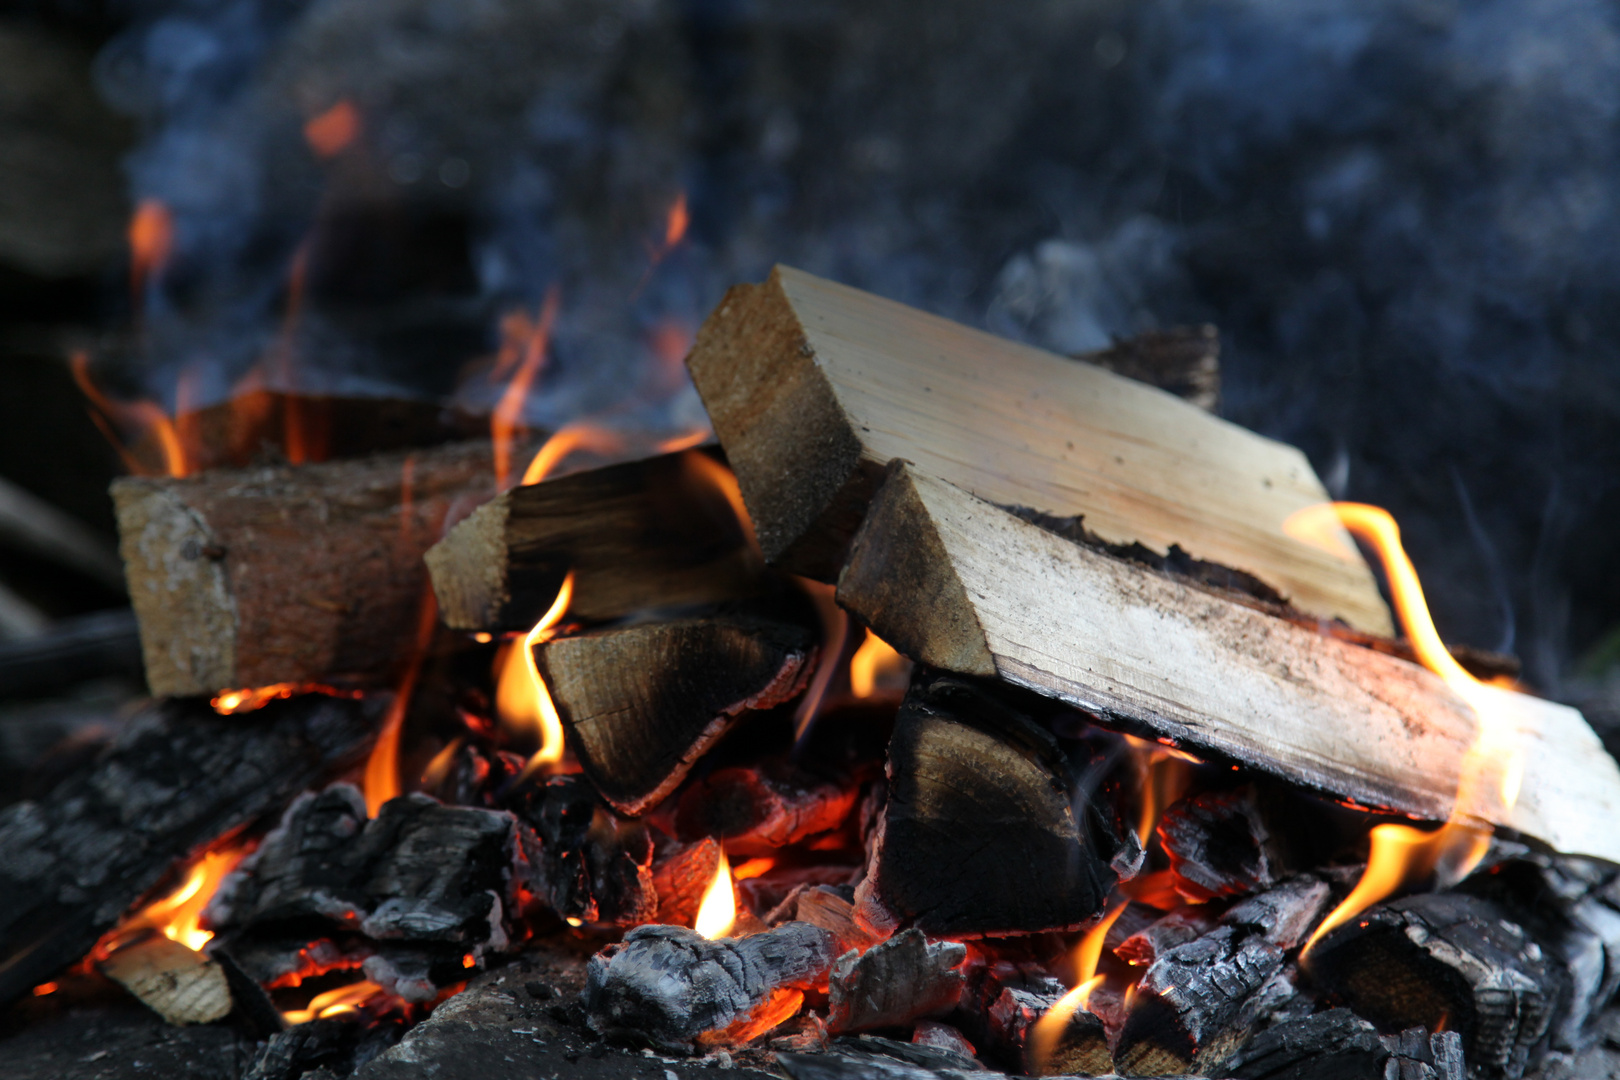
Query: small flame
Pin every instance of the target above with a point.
(521, 696)
(579, 435)
(382, 768)
(524, 345)
(151, 241)
(439, 767)
(676, 223)
(873, 661)
(1048, 1030)
(1165, 773)
(753, 868)
(333, 130)
(46, 988)
(133, 415)
(685, 442)
(231, 702)
(723, 480)
(345, 1000)
(1400, 855)
(178, 915)
(717, 913)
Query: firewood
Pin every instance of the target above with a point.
(756, 810)
(1163, 934)
(814, 387)
(1284, 915)
(1444, 959)
(591, 867)
(1187, 1015)
(179, 776)
(1332, 1045)
(680, 880)
(979, 834)
(179, 984)
(641, 703)
(670, 986)
(823, 906)
(1185, 360)
(959, 584)
(1218, 845)
(903, 979)
(288, 574)
(640, 536)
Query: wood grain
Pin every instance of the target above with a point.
(813, 387)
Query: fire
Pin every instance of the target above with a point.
(723, 480)
(132, 415)
(231, 702)
(874, 660)
(382, 768)
(524, 345)
(717, 913)
(1165, 774)
(1401, 855)
(521, 696)
(333, 130)
(753, 868)
(676, 223)
(178, 915)
(1048, 1030)
(580, 435)
(151, 241)
(344, 1001)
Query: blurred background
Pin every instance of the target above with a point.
(1401, 214)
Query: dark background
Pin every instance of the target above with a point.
(1400, 213)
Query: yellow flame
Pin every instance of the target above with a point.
(1165, 773)
(521, 696)
(717, 913)
(874, 659)
(178, 915)
(1048, 1030)
(580, 435)
(1400, 855)
(333, 1003)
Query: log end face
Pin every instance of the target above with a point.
(179, 585)
(468, 568)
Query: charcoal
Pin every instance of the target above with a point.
(1218, 845)
(1284, 915)
(1178, 927)
(901, 980)
(1332, 1045)
(591, 866)
(755, 810)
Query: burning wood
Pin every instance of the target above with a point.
(1218, 845)
(1185, 360)
(903, 979)
(757, 810)
(179, 984)
(590, 867)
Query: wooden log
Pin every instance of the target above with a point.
(288, 574)
(179, 984)
(755, 809)
(1188, 1011)
(903, 979)
(180, 776)
(670, 986)
(682, 877)
(979, 835)
(1184, 360)
(1445, 959)
(1078, 1048)
(961, 585)
(824, 906)
(1284, 915)
(1163, 934)
(1218, 845)
(1332, 1045)
(813, 388)
(640, 704)
(639, 536)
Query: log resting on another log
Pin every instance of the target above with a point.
(959, 584)
(894, 983)
(179, 777)
(670, 986)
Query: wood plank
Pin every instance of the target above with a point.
(958, 583)
(813, 387)
(639, 536)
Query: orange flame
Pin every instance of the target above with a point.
(297, 437)
(1165, 774)
(439, 767)
(231, 702)
(343, 1001)
(1400, 855)
(133, 415)
(178, 915)
(579, 435)
(333, 130)
(1048, 1030)
(521, 696)
(382, 768)
(676, 224)
(151, 241)
(717, 912)
(873, 661)
(526, 342)
(752, 868)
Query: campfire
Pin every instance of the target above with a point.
(954, 706)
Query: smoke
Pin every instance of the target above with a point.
(1401, 213)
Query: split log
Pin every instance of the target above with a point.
(640, 704)
(824, 906)
(639, 536)
(1445, 959)
(756, 810)
(681, 879)
(179, 984)
(1285, 915)
(288, 574)
(1184, 360)
(179, 777)
(1332, 1045)
(668, 985)
(979, 835)
(813, 388)
(1188, 1015)
(903, 979)
(961, 585)
(1218, 845)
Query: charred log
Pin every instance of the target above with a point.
(1218, 845)
(178, 778)
(979, 835)
(1284, 915)
(828, 907)
(1333, 1045)
(1185, 360)
(1079, 1048)
(681, 878)
(756, 810)
(590, 865)
(1177, 928)
(903, 979)
(640, 704)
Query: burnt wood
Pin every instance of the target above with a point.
(640, 704)
(589, 865)
(826, 907)
(288, 574)
(1445, 959)
(757, 809)
(1184, 360)
(1218, 845)
(1188, 1013)
(1284, 915)
(1163, 934)
(979, 834)
(179, 777)
(681, 877)
(900, 980)
(1332, 1045)
(669, 986)
(638, 536)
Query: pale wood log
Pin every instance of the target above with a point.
(813, 387)
(288, 574)
(638, 536)
(957, 583)
(179, 984)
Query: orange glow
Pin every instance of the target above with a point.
(676, 223)
(1164, 774)
(717, 912)
(521, 697)
(580, 435)
(382, 768)
(723, 480)
(873, 661)
(151, 241)
(46, 988)
(670, 341)
(468, 961)
(1048, 1030)
(685, 442)
(439, 767)
(139, 416)
(752, 868)
(1401, 856)
(231, 702)
(344, 1001)
(333, 130)
(524, 343)
(178, 915)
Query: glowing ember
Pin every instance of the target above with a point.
(524, 346)
(874, 661)
(382, 768)
(231, 702)
(46, 988)
(333, 130)
(1048, 1030)
(521, 697)
(344, 1001)
(1400, 855)
(752, 868)
(717, 913)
